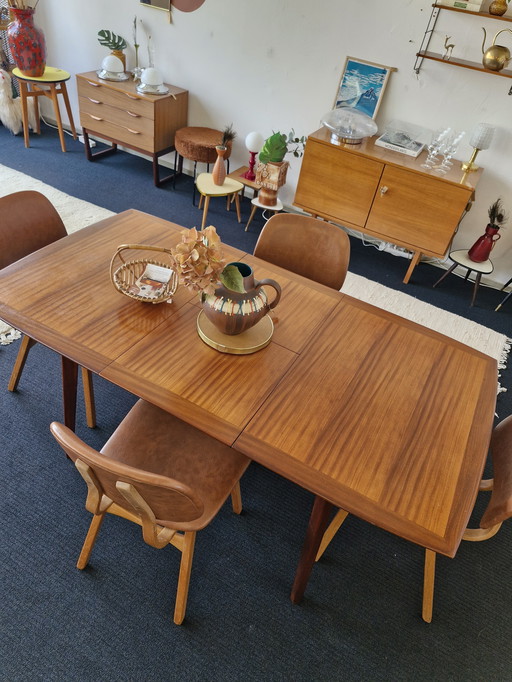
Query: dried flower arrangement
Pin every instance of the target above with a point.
(21, 4)
(228, 135)
(200, 263)
(497, 215)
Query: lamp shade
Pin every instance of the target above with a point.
(151, 76)
(481, 137)
(254, 142)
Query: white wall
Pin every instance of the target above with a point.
(276, 64)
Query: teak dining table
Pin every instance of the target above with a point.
(372, 413)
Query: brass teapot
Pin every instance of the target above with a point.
(497, 56)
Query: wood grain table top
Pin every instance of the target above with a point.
(376, 414)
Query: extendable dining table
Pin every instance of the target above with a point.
(372, 413)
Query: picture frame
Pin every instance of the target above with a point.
(362, 85)
(164, 5)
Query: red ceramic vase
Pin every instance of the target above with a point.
(483, 246)
(27, 43)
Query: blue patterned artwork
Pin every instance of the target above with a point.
(362, 85)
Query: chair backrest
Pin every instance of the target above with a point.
(28, 221)
(170, 501)
(307, 246)
(499, 508)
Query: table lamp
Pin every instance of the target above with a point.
(253, 142)
(481, 138)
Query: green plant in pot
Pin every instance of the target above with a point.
(114, 43)
(272, 168)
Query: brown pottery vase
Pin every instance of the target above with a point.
(219, 168)
(233, 313)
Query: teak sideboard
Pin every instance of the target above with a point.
(115, 111)
(384, 194)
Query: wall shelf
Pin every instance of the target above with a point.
(423, 52)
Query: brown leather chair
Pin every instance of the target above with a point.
(160, 473)
(307, 246)
(28, 221)
(499, 509)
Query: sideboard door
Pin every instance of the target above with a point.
(336, 185)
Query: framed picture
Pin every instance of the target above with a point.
(157, 4)
(362, 85)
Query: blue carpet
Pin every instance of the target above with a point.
(360, 619)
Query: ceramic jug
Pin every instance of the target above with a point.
(232, 312)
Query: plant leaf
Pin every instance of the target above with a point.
(232, 279)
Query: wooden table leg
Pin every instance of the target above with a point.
(205, 211)
(65, 97)
(24, 111)
(475, 288)
(253, 211)
(414, 262)
(318, 521)
(53, 97)
(237, 204)
(69, 384)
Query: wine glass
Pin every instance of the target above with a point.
(433, 148)
(448, 149)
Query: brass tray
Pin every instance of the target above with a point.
(250, 341)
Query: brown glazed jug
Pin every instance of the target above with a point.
(233, 313)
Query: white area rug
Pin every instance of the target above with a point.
(76, 214)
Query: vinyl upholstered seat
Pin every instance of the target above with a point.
(28, 222)
(499, 509)
(160, 473)
(307, 246)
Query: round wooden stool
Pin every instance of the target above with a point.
(198, 144)
(207, 188)
(461, 258)
(30, 86)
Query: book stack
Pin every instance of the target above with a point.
(473, 6)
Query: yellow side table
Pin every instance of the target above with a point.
(207, 188)
(30, 86)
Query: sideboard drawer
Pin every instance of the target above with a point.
(125, 101)
(121, 134)
(125, 119)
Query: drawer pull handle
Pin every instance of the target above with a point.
(94, 85)
(135, 132)
(94, 101)
(383, 190)
(131, 96)
(96, 118)
(130, 113)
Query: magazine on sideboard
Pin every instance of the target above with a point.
(404, 138)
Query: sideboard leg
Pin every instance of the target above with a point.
(414, 262)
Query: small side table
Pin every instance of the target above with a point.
(461, 258)
(506, 297)
(207, 188)
(238, 175)
(257, 204)
(30, 86)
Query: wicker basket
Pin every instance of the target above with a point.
(125, 274)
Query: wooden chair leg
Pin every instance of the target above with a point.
(90, 539)
(428, 585)
(236, 499)
(53, 97)
(331, 531)
(253, 211)
(90, 407)
(64, 92)
(21, 358)
(184, 577)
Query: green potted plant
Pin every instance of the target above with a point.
(272, 168)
